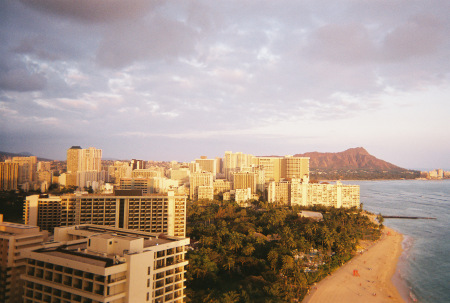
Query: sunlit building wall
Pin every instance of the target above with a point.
(15, 239)
(90, 263)
(199, 179)
(160, 213)
(9, 175)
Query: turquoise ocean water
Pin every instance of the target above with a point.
(424, 266)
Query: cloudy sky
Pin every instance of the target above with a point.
(173, 80)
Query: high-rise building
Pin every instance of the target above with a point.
(208, 165)
(244, 180)
(15, 239)
(137, 164)
(73, 164)
(82, 164)
(304, 193)
(9, 175)
(27, 169)
(199, 179)
(234, 162)
(294, 167)
(288, 167)
(158, 213)
(279, 193)
(90, 263)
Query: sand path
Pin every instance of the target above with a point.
(376, 266)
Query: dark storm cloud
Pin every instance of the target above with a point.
(94, 10)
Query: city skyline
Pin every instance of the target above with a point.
(176, 80)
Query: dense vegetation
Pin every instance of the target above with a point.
(265, 253)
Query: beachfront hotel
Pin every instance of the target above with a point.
(302, 193)
(15, 239)
(91, 263)
(156, 213)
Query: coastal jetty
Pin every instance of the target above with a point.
(408, 217)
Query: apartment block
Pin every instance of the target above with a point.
(279, 192)
(208, 165)
(205, 193)
(221, 186)
(199, 179)
(288, 167)
(242, 196)
(149, 185)
(27, 169)
(81, 165)
(92, 263)
(15, 239)
(234, 162)
(244, 180)
(157, 213)
(9, 175)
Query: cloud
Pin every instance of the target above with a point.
(159, 39)
(419, 36)
(94, 10)
(342, 43)
(176, 71)
(22, 80)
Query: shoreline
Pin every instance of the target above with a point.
(378, 280)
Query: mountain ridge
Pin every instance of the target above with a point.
(352, 158)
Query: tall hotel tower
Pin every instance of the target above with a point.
(157, 213)
(82, 164)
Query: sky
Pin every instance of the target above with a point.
(174, 80)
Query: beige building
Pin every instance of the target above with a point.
(288, 167)
(208, 165)
(158, 213)
(279, 192)
(27, 170)
(15, 239)
(199, 179)
(101, 264)
(9, 175)
(146, 173)
(149, 185)
(234, 162)
(242, 196)
(221, 186)
(81, 165)
(119, 170)
(303, 193)
(181, 174)
(205, 193)
(244, 180)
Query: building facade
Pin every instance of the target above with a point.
(9, 175)
(90, 263)
(15, 239)
(157, 213)
(199, 179)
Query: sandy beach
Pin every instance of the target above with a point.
(375, 267)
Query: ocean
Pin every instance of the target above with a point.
(424, 267)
